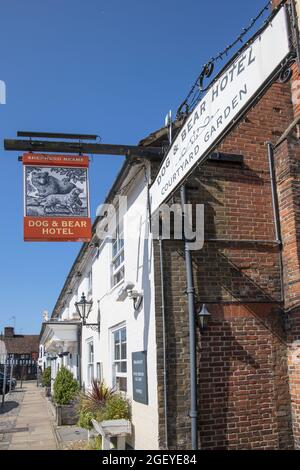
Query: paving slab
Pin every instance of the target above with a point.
(27, 410)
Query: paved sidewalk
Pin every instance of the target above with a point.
(8, 416)
(71, 437)
(31, 427)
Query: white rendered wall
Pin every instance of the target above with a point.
(140, 326)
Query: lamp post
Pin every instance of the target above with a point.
(84, 308)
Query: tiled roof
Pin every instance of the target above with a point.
(21, 344)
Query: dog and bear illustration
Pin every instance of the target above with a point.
(55, 195)
(47, 184)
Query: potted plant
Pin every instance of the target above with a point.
(46, 381)
(91, 401)
(65, 392)
(102, 403)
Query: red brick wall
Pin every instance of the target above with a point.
(244, 398)
(249, 357)
(294, 373)
(288, 179)
(244, 401)
(288, 184)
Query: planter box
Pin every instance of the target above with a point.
(66, 414)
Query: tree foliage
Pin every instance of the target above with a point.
(72, 174)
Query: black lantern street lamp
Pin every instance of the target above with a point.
(84, 308)
(203, 317)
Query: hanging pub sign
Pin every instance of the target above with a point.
(56, 198)
(224, 104)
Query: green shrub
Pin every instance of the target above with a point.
(102, 403)
(116, 407)
(65, 387)
(85, 419)
(46, 377)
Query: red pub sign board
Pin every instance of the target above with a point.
(56, 198)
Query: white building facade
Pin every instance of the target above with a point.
(126, 333)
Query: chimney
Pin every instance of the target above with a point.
(9, 332)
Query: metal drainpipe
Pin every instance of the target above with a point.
(274, 192)
(164, 341)
(275, 205)
(192, 329)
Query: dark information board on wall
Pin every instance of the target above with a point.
(139, 377)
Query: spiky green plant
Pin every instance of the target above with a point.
(96, 398)
(102, 403)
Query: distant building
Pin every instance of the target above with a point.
(23, 350)
(2, 350)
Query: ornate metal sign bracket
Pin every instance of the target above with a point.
(286, 72)
(93, 326)
(294, 25)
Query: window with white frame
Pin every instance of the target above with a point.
(117, 264)
(90, 361)
(119, 358)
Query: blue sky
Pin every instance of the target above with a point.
(108, 67)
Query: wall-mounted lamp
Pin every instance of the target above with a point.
(128, 291)
(203, 317)
(137, 298)
(84, 308)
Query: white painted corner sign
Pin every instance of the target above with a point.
(223, 103)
